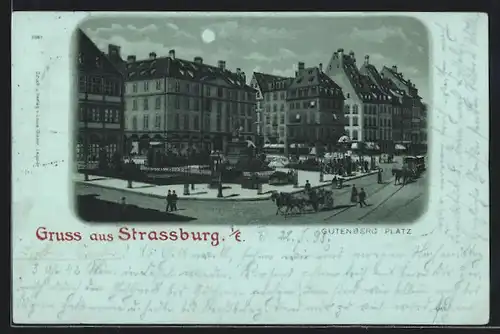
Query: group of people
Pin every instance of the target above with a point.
(171, 201)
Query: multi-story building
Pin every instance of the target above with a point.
(100, 120)
(414, 107)
(315, 108)
(365, 105)
(271, 106)
(387, 111)
(186, 104)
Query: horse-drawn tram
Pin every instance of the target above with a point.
(411, 169)
(303, 201)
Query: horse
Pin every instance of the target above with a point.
(285, 200)
(401, 174)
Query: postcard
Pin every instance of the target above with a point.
(250, 168)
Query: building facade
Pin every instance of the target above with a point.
(415, 128)
(367, 108)
(186, 104)
(315, 109)
(271, 106)
(100, 120)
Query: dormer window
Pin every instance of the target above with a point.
(80, 58)
(98, 61)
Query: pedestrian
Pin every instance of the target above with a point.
(169, 202)
(379, 176)
(362, 197)
(307, 186)
(366, 166)
(354, 194)
(174, 201)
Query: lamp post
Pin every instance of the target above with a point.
(219, 170)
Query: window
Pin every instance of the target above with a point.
(82, 86)
(267, 97)
(196, 88)
(282, 95)
(242, 109)
(95, 115)
(196, 104)
(275, 96)
(96, 85)
(158, 84)
(275, 107)
(249, 110)
(282, 107)
(186, 102)
(186, 122)
(145, 124)
(98, 62)
(207, 91)
(282, 119)
(177, 122)
(355, 121)
(354, 135)
(177, 87)
(196, 122)
(80, 58)
(249, 125)
(107, 115)
(355, 109)
(158, 103)
(177, 102)
(157, 121)
(81, 115)
(146, 86)
(134, 123)
(134, 104)
(134, 88)
(220, 92)
(207, 124)
(146, 105)
(242, 96)
(218, 120)
(188, 87)
(347, 109)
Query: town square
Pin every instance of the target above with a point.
(163, 136)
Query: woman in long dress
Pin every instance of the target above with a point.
(354, 194)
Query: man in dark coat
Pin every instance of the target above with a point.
(169, 202)
(379, 176)
(362, 197)
(174, 201)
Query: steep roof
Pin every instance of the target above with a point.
(90, 58)
(413, 92)
(363, 85)
(182, 69)
(312, 76)
(269, 82)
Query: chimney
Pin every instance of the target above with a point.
(243, 77)
(198, 60)
(131, 59)
(351, 54)
(113, 50)
(152, 55)
(221, 64)
(238, 71)
(320, 67)
(395, 68)
(171, 54)
(301, 66)
(367, 59)
(340, 56)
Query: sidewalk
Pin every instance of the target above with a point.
(231, 192)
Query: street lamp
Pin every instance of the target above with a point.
(219, 169)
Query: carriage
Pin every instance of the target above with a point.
(415, 164)
(305, 201)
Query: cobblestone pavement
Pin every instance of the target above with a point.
(386, 203)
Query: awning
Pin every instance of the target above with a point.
(344, 139)
(400, 147)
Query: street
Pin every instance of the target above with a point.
(387, 203)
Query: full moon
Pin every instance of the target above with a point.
(208, 36)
